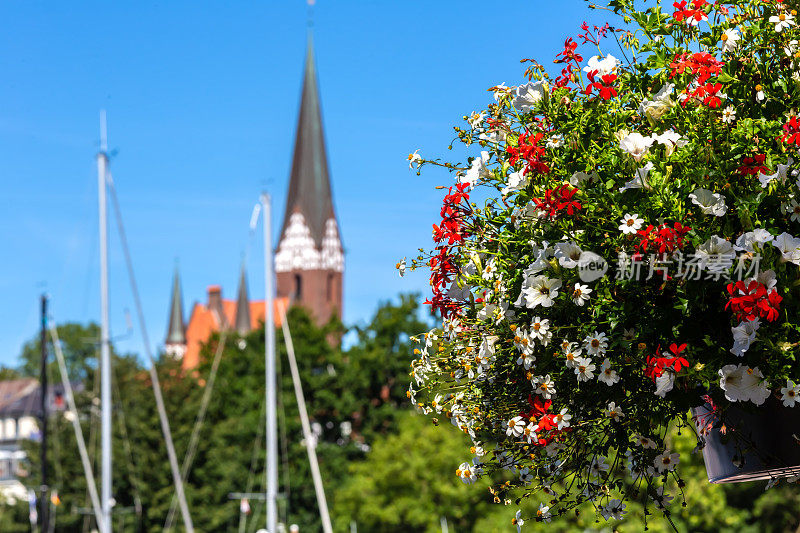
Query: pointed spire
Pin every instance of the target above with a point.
(242, 323)
(309, 183)
(176, 332)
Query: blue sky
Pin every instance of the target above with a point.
(202, 100)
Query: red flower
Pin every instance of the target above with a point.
(692, 16)
(751, 300)
(606, 90)
(753, 165)
(662, 238)
(559, 199)
(656, 365)
(791, 131)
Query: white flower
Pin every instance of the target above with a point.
(664, 383)
(760, 97)
(715, 254)
(475, 119)
(414, 159)
(789, 393)
(662, 500)
(599, 466)
(401, 267)
(467, 473)
(530, 433)
(556, 141)
(670, 140)
(645, 442)
(660, 104)
(747, 241)
(710, 203)
(580, 177)
(794, 209)
(572, 354)
(584, 369)
(545, 387)
(500, 91)
(744, 335)
(477, 170)
(601, 66)
(636, 145)
(630, 224)
(515, 427)
(640, 180)
(614, 412)
(742, 383)
(789, 247)
(730, 38)
(766, 179)
(782, 21)
(568, 254)
(596, 343)
(613, 509)
(528, 95)
(540, 329)
(607, 374)
(542, 291)
(666, 461)
(729, 115)
(580, 294)
(562, 419)
(544, 513)
(518, 521)
(516, 182)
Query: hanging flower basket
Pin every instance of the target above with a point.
(623, 235)
(749, 443)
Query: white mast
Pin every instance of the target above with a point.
(105, 356)
(270, 374)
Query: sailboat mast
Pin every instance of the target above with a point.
(105, 355)
(270, 374)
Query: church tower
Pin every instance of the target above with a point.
(175, 343)
(309, 262)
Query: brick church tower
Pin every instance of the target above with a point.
(309, 262)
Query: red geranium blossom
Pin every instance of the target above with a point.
(751, 300)
(791, 131)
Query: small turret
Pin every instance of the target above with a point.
(175, 343)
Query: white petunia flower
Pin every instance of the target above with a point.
(568, 254)
(670, 140)
(630, 224)
(789, 247)
(666, 461)
(601, 66)
(742, 383)
(789, 393)
(730, 39)
(640, 180)
(710, 203)
(516, 182)
(636, 145)
(744, 335)
(607, 374)
(528, 95)
(747, 242)
(766, 179)
(661, 103)
(478, 170)
(580, 294)
(664, 383)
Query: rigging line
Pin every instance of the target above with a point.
(301, 407)
(162, 412)
(284, 441)
(254, 458)
(92, 435)
(126, 444)
(194, 439)
(76, 426)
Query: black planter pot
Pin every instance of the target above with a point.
(760, 442)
